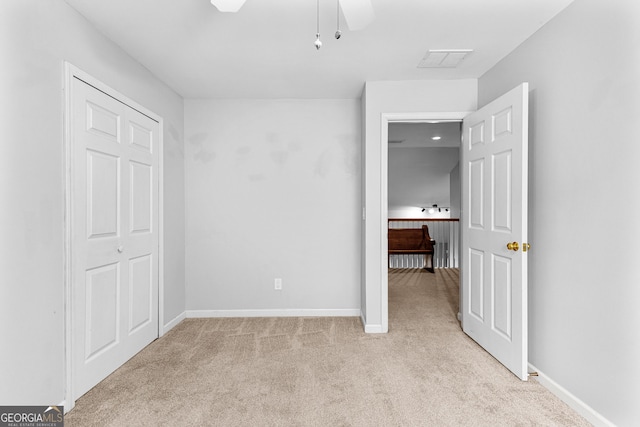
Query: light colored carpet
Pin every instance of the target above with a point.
(324, 372)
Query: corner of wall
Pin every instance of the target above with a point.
(173, 323)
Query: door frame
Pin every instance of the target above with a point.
(385, 120)
(71, 72)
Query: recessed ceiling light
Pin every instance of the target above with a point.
(436, 138)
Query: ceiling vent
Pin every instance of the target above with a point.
(396, 141)
(444, 58)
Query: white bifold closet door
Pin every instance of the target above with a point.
(114, 245)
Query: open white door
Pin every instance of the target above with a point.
(494, 228)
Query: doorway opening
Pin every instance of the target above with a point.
(388, 119)
(424, 190)
(493, 155)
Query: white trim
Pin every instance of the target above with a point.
(371, 329)
(68, 317)
(374, 329)
(173, 323)
(161, 327)
(384, 223)
(71, 72)
(385, 119)
(570, 399)
(285, 312)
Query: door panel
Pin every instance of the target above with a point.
(476, 284)
(101, 323)
(501, 179)
(141, 137)
(494, 213)
(476, 195)
(114, 175)
(140, 200)
(103, 194)
(103, 122)
(501, 283)
(141, 289)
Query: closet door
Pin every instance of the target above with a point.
(114, 179)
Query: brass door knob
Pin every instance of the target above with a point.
(513, 246)
(525, 247)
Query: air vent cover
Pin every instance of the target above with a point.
(444, 58)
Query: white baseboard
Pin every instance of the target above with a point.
(373, 329)
(369, 328)
(172, 323)
(574, 402)
(275, 313)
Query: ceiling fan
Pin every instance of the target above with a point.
(357, 13)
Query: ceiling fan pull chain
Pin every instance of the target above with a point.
(318, 43)
(338, 32)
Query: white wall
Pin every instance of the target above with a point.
(35, 38)
(419, 177)
(583, 69)
(395, 97)
(273, 190)
(455, 191)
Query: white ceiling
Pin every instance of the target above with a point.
(420, 135)
(266, 49)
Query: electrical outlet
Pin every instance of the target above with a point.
(277, 284)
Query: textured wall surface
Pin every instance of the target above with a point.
(273, 191)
